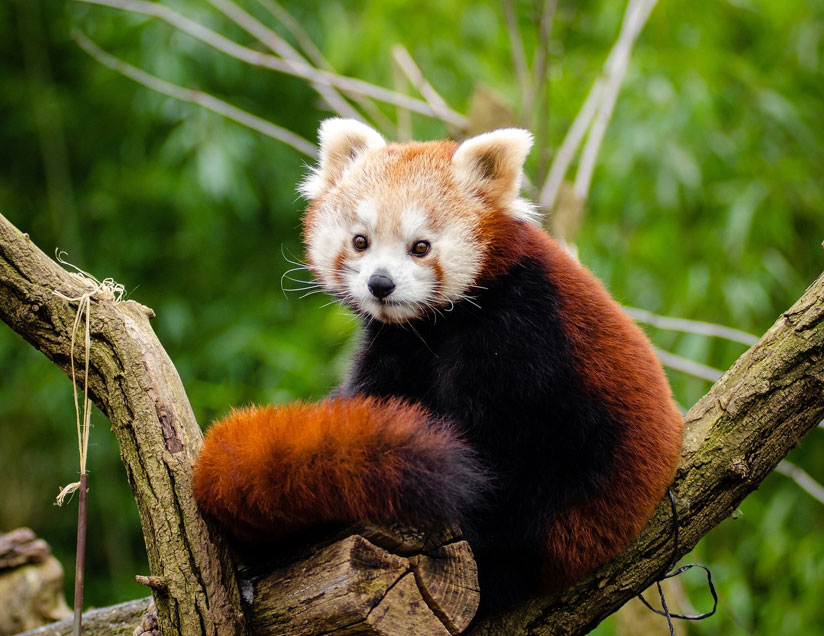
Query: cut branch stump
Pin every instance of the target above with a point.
(376, 582)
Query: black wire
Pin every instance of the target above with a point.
(669, 573)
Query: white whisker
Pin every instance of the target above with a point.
(309, 293)
(294, 260)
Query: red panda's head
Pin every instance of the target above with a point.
(395, 230)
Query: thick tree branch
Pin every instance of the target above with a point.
(735, 436)
(135, 384)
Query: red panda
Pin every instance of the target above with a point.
(496, 383)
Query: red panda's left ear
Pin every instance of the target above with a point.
(491, 164)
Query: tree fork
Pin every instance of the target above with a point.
(735, 435)
(135, 384)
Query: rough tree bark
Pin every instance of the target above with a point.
(735, 436)
(135, 384)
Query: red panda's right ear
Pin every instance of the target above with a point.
(342, 141)
(492, 164)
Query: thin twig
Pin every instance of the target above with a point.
(402, 116)
(516, 44)
(255, 58)
(636, 16)
(195, 97)
(614, 68)
(569, 146)
(545, 22)
(803, 479)
(278, 45)
(317, 58)
(419, 82)
(154, 582)
(539, 67)
(685, 365)
(540, 84)
(80, 558)
(298, 32)
(691, 326)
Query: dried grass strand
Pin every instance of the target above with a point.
(107, 289)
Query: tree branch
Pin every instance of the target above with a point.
(614, 70)
(516, 45)
(685, 365)
(598, 105)
(281, 47)
(691, 326)
(115, 620)
(803, 479)
(314, 54)
(137, 387)
(406, 64)
(747, 423)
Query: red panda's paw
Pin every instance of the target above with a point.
(266, 471)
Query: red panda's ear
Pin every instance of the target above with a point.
(491, 164)
(341, 142)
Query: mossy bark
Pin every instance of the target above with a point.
(137, 387)
(750, 419)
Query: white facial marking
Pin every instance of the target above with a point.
(415, 224)
(388, 253)
(367, 214)
(391, 232)
(329, 234)
(395, 198)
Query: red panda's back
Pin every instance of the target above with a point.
(616, 362)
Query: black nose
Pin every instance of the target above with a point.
(380, 285)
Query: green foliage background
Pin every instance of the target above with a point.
(707, 203)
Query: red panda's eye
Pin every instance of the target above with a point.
(421, 248)
(360, 242)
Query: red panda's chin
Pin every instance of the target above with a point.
(391, 311)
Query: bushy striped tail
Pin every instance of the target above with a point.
(267, 471)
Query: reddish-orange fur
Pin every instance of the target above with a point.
(266, 471)
(604, 340)
(646, 458)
